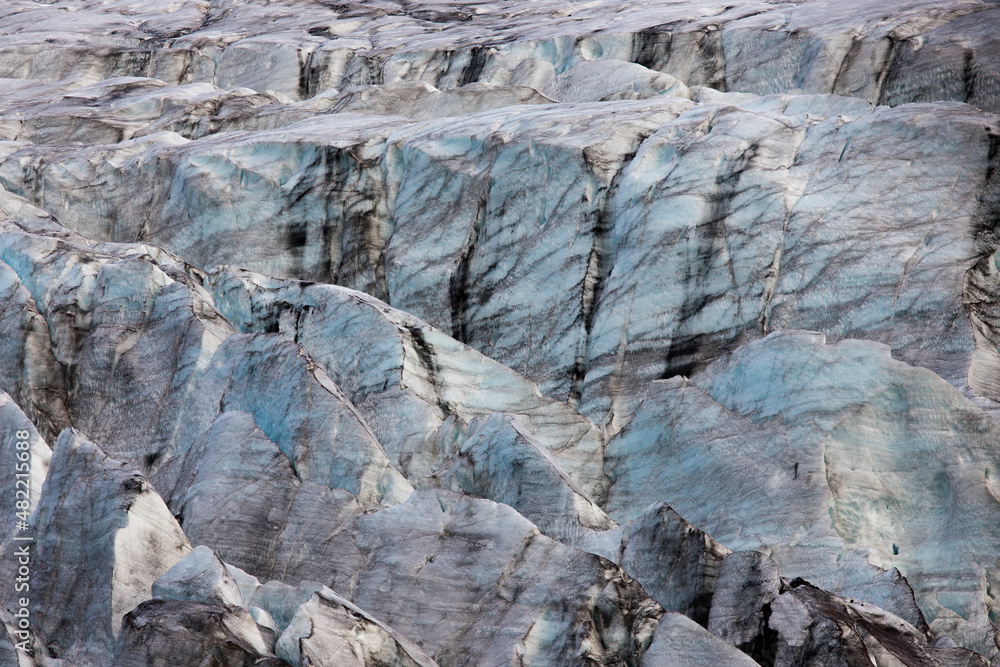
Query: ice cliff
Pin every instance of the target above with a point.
(538, 333)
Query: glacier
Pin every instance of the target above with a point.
(535, 333)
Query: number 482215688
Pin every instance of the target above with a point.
(22, 476)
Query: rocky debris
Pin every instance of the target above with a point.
(828, 619)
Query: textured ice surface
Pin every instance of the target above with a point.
(419, 388)
(489, 333)
(806, 450)
(314, 426)
(734, 222)
(502, 461)
(101, 537)
(680, 642)
(780, 621)
(299, 49)
(475, 581)
(330, 631)
(664, 232)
